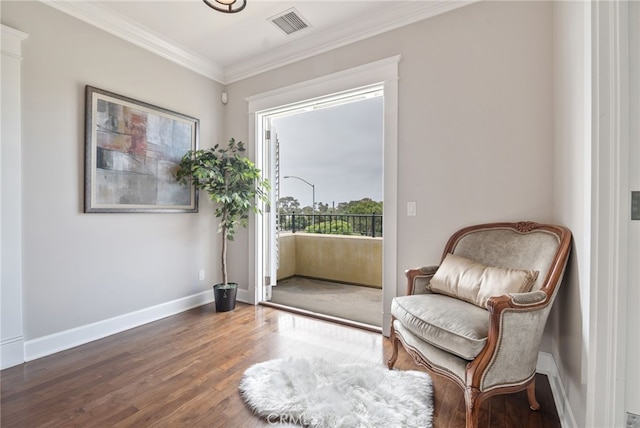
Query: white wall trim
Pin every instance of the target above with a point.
(606, 372)
(120, 26)
(12, 42)
(311, 45)
(547, 366)
(245, 297)
(344, 80)
(11, 311)
(390, 283)
(384, 71)
(47, 345)
(12, 352)
(337, 37)
(20, 35)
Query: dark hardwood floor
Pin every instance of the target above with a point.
(183, 371)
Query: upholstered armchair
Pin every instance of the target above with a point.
(478, 317)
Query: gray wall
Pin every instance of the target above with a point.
(83, 268)
(476, 143)
(475, 118)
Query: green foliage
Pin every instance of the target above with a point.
(288, 205)
(232, 181)
(334, 227)
(306, 210)
(363, 206)
(322, 208)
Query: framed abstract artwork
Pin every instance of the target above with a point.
(132, 150)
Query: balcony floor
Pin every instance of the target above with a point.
(350, 302)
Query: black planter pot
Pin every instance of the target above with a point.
(225, 296)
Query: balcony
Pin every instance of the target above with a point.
(348, 259)
(331, 274)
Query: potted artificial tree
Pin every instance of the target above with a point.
(234, 183)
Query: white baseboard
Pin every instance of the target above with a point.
(244, 296)
(547, 366)
(12, 352)
(47, 345)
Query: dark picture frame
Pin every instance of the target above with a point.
(132, 150)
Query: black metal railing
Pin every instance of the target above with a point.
(336, 224)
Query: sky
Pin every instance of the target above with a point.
(338, 149)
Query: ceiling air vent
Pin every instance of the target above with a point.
(290, 21)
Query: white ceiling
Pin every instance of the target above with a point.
(230, 47)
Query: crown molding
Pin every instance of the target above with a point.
(98, 16)
(311, 45)
(12, 32)
(339, 36)
(12, 42)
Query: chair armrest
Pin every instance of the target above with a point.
(515, 301)
(516, 326)
(418, 279)
(527, 299)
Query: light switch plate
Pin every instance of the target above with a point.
(635, 205)
(411, 209)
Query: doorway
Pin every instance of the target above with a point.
(323, 244)
(382, 72)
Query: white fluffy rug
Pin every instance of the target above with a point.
(318, 394)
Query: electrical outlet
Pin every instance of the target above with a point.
(201, 274)
(633, 421)
(635, 205)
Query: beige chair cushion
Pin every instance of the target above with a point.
(450, 324)
(474, 282)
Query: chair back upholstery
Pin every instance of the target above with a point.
(524, 245)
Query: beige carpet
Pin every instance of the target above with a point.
(351, 302)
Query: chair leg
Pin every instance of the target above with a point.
(394, 347)
(531, 395)
(472, 407)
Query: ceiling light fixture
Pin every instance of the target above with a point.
(227, 6)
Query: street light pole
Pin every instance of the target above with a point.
(313, 196)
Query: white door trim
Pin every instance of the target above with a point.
(12, 337)
(605, 400)
(384, 71)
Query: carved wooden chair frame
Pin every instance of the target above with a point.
(496, 305)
